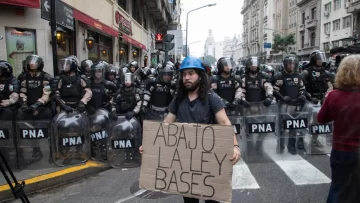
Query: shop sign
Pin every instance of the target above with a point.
(123, 23)
(19, 45)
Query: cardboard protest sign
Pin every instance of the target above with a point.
(188, 159)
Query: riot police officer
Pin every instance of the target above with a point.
(134, 69)
(128, 100)
(70, 87)
(159, 93)
(289, 89)
(318, 82)
(9, 91)
(111, 73)
(226, 85)
(85, 67)
(269, 70)
(256, 86)
(35, 90)
(102, 90)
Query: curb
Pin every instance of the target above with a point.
(53, 179)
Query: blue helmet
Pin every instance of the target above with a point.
(191, 62)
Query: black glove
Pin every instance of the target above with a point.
(287, 100)
(33, 107)
(228, 105)
(129, 115)
(267, 102)
(91, 109)
(81, 107)
(301, 99)
(314, 100)
(235, 103)
(67, 108)
(144, 109)
(244, 103)
(113, 115)
(25, 108)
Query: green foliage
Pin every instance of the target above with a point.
(282, 43)
(209, 59)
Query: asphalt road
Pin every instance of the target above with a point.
(260, 177)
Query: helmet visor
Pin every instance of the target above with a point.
(64, 65)
(86, 65)
(227, 64)
(254, 62)
(33, 62)
(320, 56)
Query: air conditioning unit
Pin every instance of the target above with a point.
(346, 4)
(326, 13)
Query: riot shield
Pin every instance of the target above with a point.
(320, 136)
(70, 138)
(33, 144)
(155, 115)
(124, 143)
(294, 125)
(260, 124)
(7, 143)
(98, 133)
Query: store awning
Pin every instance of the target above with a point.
(24, 3)
(133, 42)
(78, 15)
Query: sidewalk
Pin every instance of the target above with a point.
(39, 179)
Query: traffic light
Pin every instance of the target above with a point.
(168, 45)
(159, 45)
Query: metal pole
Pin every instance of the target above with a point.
(53, 33)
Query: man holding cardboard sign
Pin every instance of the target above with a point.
(191, 159)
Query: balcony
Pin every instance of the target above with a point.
(244, 34)
(353, 7)
(301, 27)
(311, 24)
(157, 12)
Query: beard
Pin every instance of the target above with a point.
(193, 87)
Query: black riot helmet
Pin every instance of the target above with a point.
(128, 79)
(111, 70)
(269, 70)
(24, 66)
(86, 65)
(318, 58)
(291, 63)
(68, 64)
(6, 69)
(166, 73)
(98, 70)
(133, 64)
(34, 63)
(224, 65)
(252, 61)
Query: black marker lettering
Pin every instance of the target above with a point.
(176, 159)
(163, 179)
(203, 161)
(192, 183)
(220, 162)
(159, 160)
(191, 157)
(182, 132)
(172, 135)
(197, 126)
(213, 140)
(163, 134)
(173, 182)
(213, 189)
(185, 183)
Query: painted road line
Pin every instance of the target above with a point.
(242, 177)
(88, 164)
(140, 192)
(295, 167)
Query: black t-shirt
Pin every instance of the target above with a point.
(197, 111)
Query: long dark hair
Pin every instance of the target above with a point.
(204, 87)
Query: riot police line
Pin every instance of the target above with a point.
(98, 108)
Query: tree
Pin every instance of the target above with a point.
(208, 59)
(282, 43)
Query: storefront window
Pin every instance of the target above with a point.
(19, 44)
(135, 54)
(125, 57)
(102, 50)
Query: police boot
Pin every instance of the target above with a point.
(300, 143)
(281, 143)
(291, 145)
(328, 139)
(316, 143)
(37, 154)
(258, 147)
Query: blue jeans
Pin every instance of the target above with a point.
(342, 164)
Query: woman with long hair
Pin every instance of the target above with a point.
(342, 106)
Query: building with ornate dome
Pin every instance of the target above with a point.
(212, 47)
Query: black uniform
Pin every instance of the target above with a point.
(318, 82)
(9, 91)
(228, 89)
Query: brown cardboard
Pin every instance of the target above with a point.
(169, 165)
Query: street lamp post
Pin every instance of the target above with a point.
(187, 23)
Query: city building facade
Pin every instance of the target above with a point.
(212, 47)
(122, 30)
(293, 23)
(353, 7)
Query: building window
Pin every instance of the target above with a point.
(347, 21)
(326, 46)
(144, 20)
(303, 18)
(312, 39)
(327, 28)
(335, 43)
(302, 41)
(328, 7)
(135, 11)
(313, 13)
(122, 4)
(337, 4)
(102, 50)
(336, 25)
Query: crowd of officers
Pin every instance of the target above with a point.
(145, 92)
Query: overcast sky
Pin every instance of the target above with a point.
(224, 19)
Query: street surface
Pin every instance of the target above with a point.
(267, 177)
